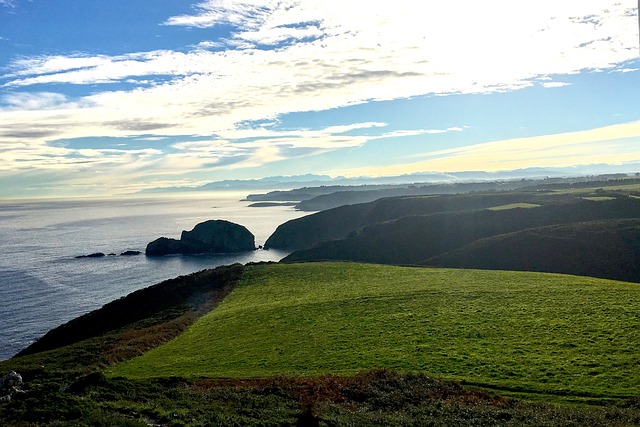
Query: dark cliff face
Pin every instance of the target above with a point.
(322, 226)
(219, 236)
(164, 246)
(594, 238)
(338, 223)
(608, 249)
(214, 236)
(197, 292)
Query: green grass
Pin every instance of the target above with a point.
(628, 187)
(624, 188)
(599, 198)
(517, 331)
(514, 206)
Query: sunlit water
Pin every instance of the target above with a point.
(43, 285)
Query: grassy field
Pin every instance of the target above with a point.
(515, 206)
(625, 188)
(529, 332)
(599, 198)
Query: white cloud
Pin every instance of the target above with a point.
(355, 126)
(275, 35)
(413, 132)
(328, 54)
(246, 148)
(268, 146)
(245, 13)
(35, 101)
(80, 70)
(555, 84)
(615, 144)
(209, 44)
(456, 46)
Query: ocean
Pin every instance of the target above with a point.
(43, 284)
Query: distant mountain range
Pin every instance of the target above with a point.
(313, 180)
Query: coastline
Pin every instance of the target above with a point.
(45, 285)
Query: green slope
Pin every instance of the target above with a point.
(182, 299)
(608, 249)
(523, 331)
(339, 222)
(411, 240)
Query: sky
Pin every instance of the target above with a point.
(113, 97)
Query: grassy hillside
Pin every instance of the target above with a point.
(532, 332)
(413, 239)
(442, 321)
(608, 249)
(144, 318)
(338, 223)
(350, 197)
(328, 197)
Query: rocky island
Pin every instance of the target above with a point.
(213, 236)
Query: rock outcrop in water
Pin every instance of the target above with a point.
(130, 253)
(214, 236)
(102, 254)
(93, 255)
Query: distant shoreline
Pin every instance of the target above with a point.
(271, 204)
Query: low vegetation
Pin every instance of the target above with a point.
(607, 249)
(420, 239)
(304, 344)
(599, 198)
(129, 326)
(346, 212)
(328, 197)
(537, 333)
(338, 223)
(380, 398)
(337, 344)
(514, 206)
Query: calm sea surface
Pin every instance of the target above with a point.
(43, 285)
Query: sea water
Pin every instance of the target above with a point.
(43, 284)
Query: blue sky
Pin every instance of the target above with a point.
(100, 98)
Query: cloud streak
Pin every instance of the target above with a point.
(616, 144)
(297, 56)
(241, 13)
